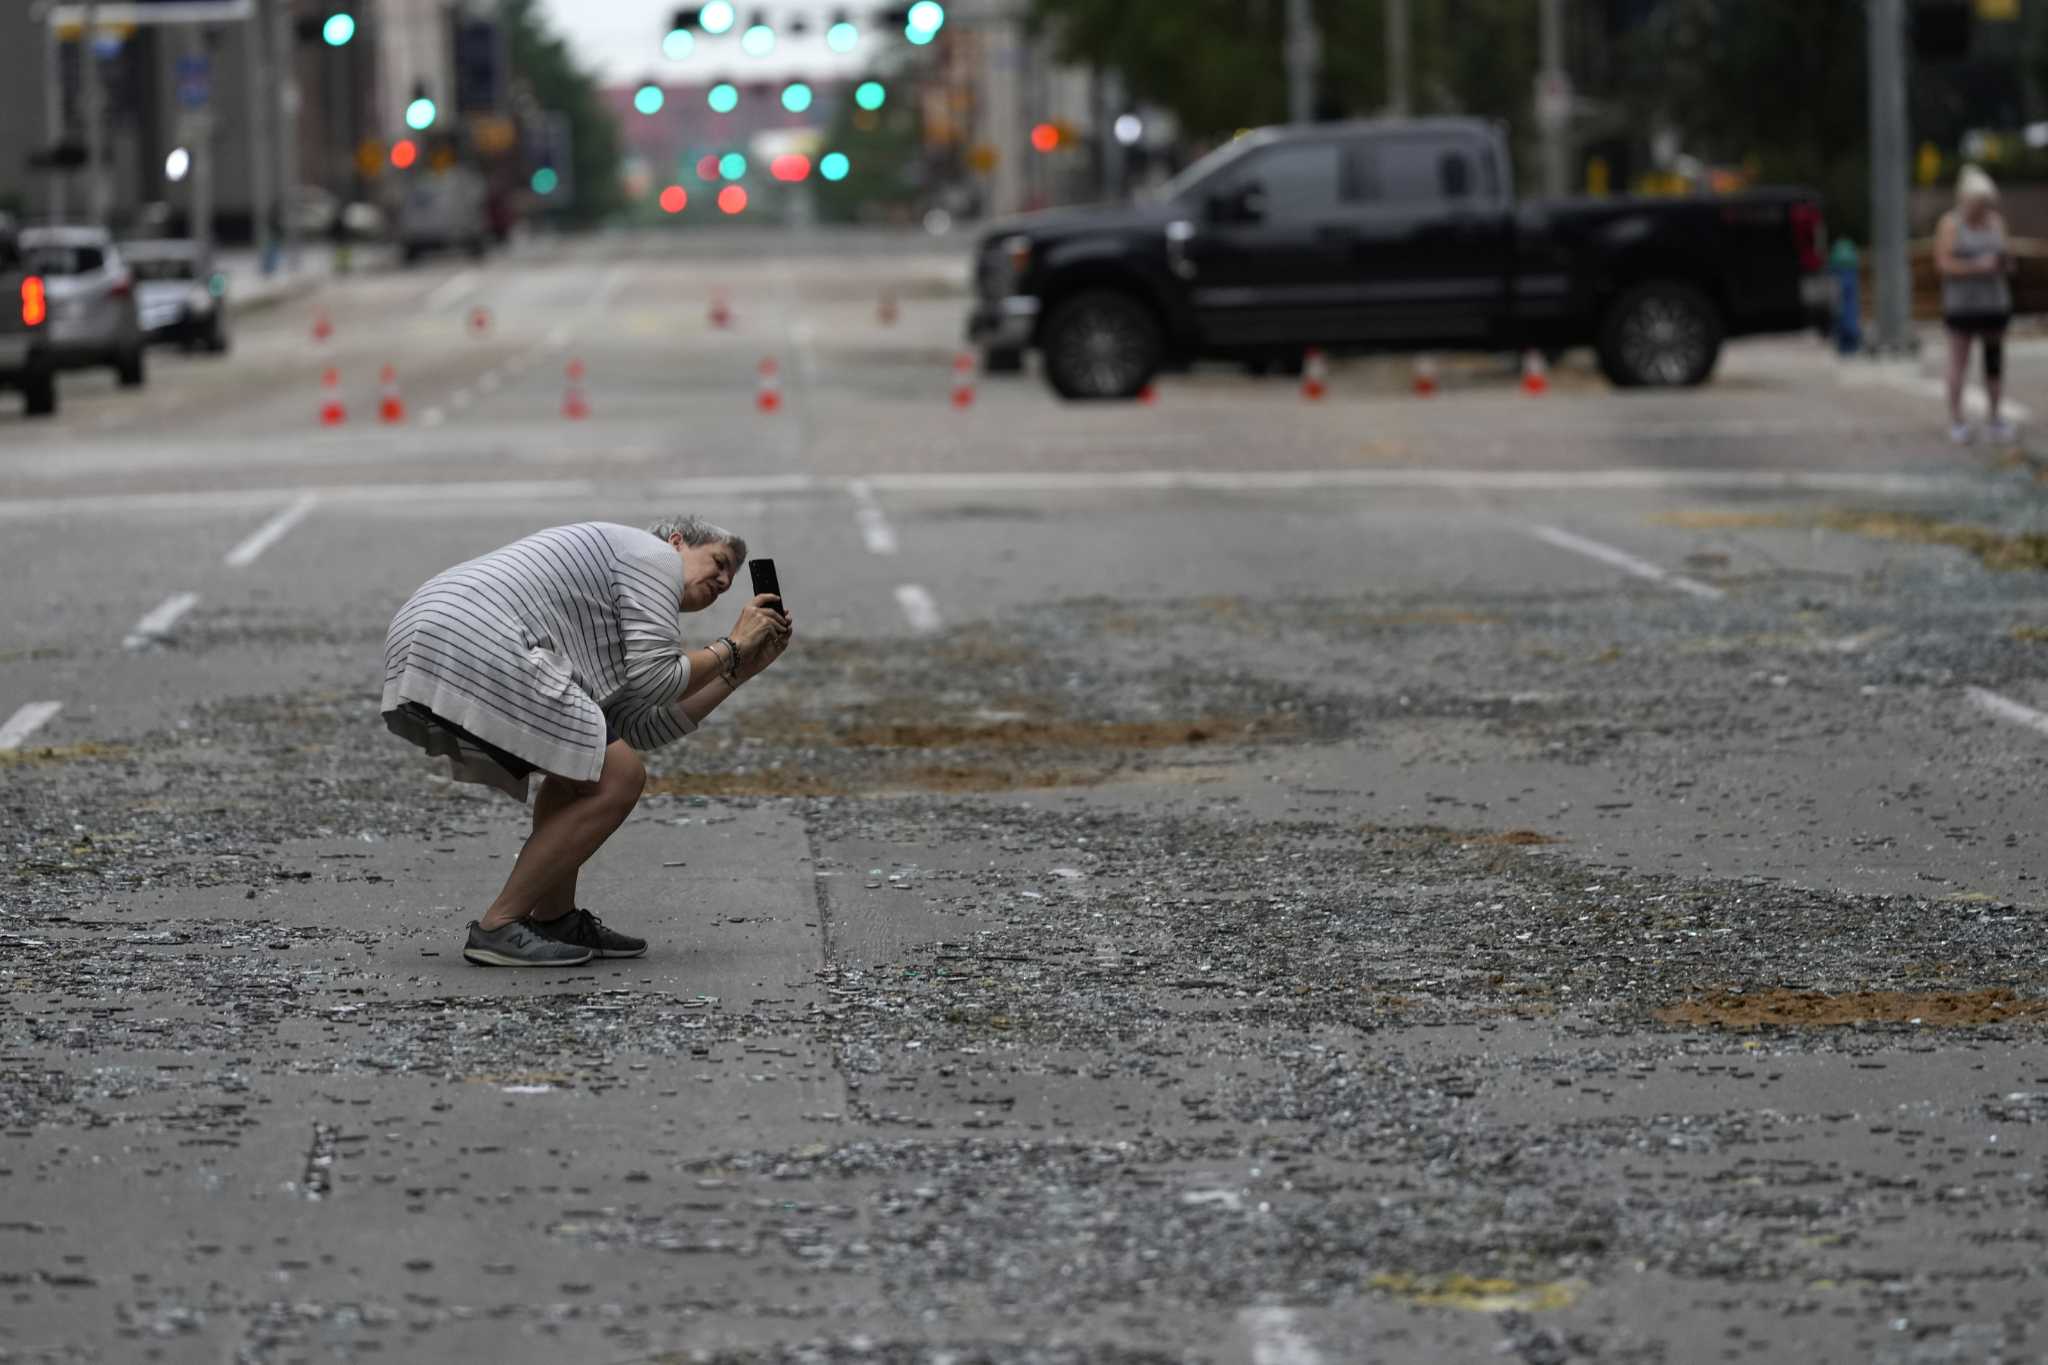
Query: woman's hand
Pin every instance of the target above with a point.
(762, 624)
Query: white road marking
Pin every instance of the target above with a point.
(2005, 708)
(272, 531)
(1276, 1338)
(454, 287)
(1260, 481)
(874, 527)
(25, 722)
(433, 417)
(918, 608)
(1623, 560)
(803, 335)
(156, 627)
(558, 337)
(488, 381)
(460, 399)
(1907, 377)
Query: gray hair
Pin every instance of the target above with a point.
(696, 531)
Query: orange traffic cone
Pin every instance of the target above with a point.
(390, 405)
(885, 311)
(1148, 395)
(322, 328)
(768, 395)
(721, 312)
(1535, 374)
(332, 413)
(963, 380)
(1425, 377)
(575, 406)
(1315, 374)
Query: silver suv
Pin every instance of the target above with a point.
(94, 319)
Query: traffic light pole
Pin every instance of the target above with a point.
(93, 96)
(1554, 122)
(285, 132)
(1889, 172)
(1397, 58)
(1304, 55)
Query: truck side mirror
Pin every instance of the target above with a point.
(1245, 204)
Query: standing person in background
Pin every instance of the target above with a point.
(1976, 296)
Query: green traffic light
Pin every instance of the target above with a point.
(648, 99)
(679, 44)
(717, 17)
(796, 97)
(723, 97)
(926, 16)
(869, 95)
(420, 114)
(339, 28)
(545, 180)
(842, 36)
(732, 166)
(834, 165)
(758, 40)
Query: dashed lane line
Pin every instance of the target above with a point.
(272, 531)
(1275, 1337)
(156, 627)
(918, 608)
(2006, 709)
(875, 531)
(26, 720)
(455, 287)
(1623, 560)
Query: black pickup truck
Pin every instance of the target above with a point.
(1390, 235)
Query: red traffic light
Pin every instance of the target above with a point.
(790, 166)
(1045, 137)
(674, 199)
(732, 199)
(404, 152)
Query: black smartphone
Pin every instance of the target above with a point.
(764, 578)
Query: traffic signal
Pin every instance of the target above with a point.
(921, 23)
(421, 113)
(842, 36)
(790, 166)
(674, 199)
(678, 43)
(834, 165)
(338, 29)
(759, 39)
(545, 181)
(649, 98)
(869, 95)
(733, 166)
(723, 97)
(717, 17)
(796, 97)
(404, 152)
(1045, 137)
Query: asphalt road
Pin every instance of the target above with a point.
(1225, 879)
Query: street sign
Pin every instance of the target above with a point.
(156, 12)
(195, 80)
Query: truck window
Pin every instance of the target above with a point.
(1299, 179)
(1408, 171)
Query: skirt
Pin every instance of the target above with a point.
(470, 759)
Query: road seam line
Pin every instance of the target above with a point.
(26, 720)
(272, 531)
(454, 287)
(156, 627)
(2005, 708)
(875, 530)
(1623, 560)
(918, 608)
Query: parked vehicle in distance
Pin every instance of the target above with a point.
(181, 296)
(1391, 235)
(93, 315)
(443, 210)
(24, 326)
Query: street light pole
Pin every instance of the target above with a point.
(1304, 56)
(92, 95)
(1889, 171)
(1553, 111)
(1397, 58)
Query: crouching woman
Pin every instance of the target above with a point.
(561, 655)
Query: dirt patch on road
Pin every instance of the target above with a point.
(2005, 551)
(43, 754)
(1421, 836)
(1782, 1008)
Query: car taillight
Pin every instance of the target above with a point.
(35, 303)
(1809, 235)
(123, 287)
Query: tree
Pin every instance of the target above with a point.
(543, 62)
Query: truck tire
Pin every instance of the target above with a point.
(1002, 360)
(1664, 334)
(1103, 343)
(39, 393)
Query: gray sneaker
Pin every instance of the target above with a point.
(516, 945)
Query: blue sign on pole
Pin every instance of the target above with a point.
(195, 80)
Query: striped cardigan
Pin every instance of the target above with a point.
(533, 648)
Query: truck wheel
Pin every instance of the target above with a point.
(1662, 334)
(1101, 344)
(128, 367)
(39, 393)
(1002, 360)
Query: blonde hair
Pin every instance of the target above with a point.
(1974, 183)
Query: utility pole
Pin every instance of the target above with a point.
(198, 129)
(1304, 57)
(1554, 102)
(285, 133)
(1109, 105)
(53, 116)
(1889, 170)
(261, 134)
(1397, 58)
(93, 96)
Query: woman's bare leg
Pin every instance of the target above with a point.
(559, 899)
(1958, 367)
(569, 834)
